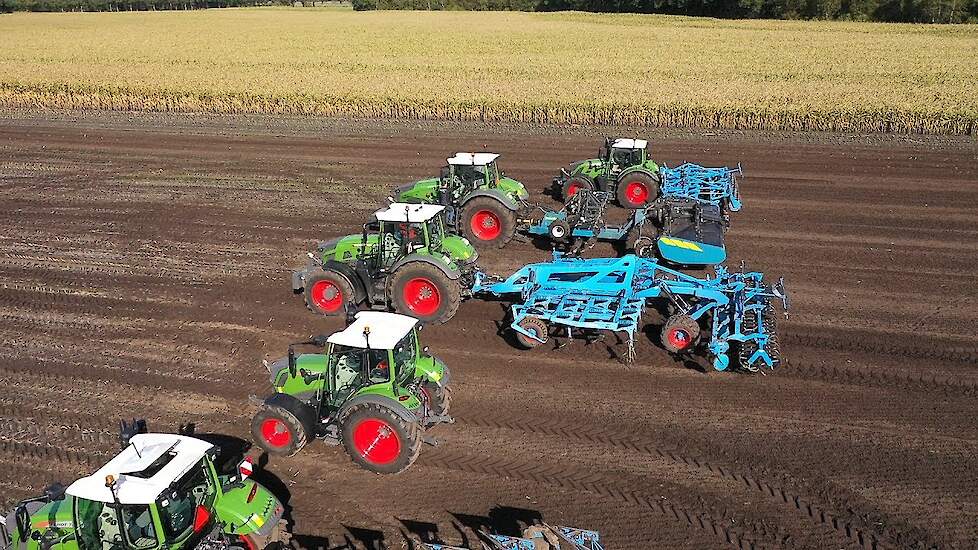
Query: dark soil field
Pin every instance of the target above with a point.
(144, 272)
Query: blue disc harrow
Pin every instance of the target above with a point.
(537, 537)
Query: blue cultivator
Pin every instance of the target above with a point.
(612, 293)
(685, 225)
(537, 537)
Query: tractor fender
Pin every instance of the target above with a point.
(449, 272)
(492, 193)
(359, 289)
(399, 410)
(641, 170)
(303, 411)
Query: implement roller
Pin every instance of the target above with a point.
(729, 313)
(535, 537)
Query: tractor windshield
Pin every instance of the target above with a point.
(493, 172)
(103, 526)
(191, 495)
(405, 352)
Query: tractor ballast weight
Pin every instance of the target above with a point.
(623, 169)
(373, 389)
(160, 491)
(535, 537)
(734, 310)
(480, 202)
(403, 260)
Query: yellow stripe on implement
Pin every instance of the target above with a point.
(680, 243)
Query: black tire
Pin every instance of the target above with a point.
(411, 289)
(535, 325)
(680, 333)
(440, 398)
(575, 183)
(276, 419)
(367, 431)
(328, 292)
(636, 190)
(487, 222)
(559, 231)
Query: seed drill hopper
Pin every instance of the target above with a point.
(729, 312)
(535, 537)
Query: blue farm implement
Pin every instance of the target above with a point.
(536, 537)
(731, 313)
(684, 226)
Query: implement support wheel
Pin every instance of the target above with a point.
(680, 333)
(535, 326)
(379, 440)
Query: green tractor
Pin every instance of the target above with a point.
(163, 491)
(374, 390)
(481, 202)
(404, 259)
(623, 169)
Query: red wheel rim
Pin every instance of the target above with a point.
(679, 338)
(485, 225)
(275, 432)
(421, 296)
(326, 296)
(573, 188)
(636, 192)
(376, 441)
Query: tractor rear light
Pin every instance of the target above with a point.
(245, 469)
(404, 398)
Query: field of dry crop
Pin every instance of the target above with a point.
(558, 67)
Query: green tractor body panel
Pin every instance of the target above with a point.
(242, 517)
(459, 249)
(425, 190)
(348, 249)
(313, 364)
(431, 368)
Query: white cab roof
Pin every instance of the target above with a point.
(404, 212)
(386, 330)
(625, 143)
(143, 451)
(472, 159)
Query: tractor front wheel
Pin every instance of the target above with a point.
(535, 326)
(636, 190)
(278, 430)
(439, 398)
(423, 291)
(575, 184)
(486, 221)
(379, 440)
(328, 292)
(680, 333)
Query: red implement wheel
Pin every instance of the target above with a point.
(486, 221)
(680, 333)
(379, 440)
(278, 430)
(422, 290)
(327, 292)
(536, 327)
(575, 184)
(636, 190)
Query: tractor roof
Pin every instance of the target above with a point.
(626, 143)
(404, 212)
(140, 478)
(386, 330)
(472, 159)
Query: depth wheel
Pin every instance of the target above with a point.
(423, 291)
(379, 440)
(278, 431)
(680, 333)
(536, 326)
(559, 231)
(327, 292)
(487, 222)
(636, 190)
(575, 184)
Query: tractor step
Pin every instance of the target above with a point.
(439, 419)
(429, 440)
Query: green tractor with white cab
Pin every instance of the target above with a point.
(161, 492)
(373, 389)
(481, 202)
(405, 260)
(623, 169)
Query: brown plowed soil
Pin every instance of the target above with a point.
(144, 271)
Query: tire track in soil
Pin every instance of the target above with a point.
(609, 437)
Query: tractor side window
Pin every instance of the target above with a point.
(379, 366)
(178, 507)
(435, 231)
(139, 530)
(347, 371)
(620, 157)
(412, 233)
(493, 172)
(404, 354)
(392, 243)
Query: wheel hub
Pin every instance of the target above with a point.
(376, 441)
(275, 432)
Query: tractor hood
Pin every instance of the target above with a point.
(343, 249)
(513, 188)
(432, 369)
(245, 513)
(419, 191)
(56, 517)
(459, 249)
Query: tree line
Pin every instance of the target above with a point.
(910, 11)
(7, 6)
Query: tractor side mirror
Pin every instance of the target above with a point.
(425, 350)
(291, 360)
(245, 468)
(319, 340)
(55, 491)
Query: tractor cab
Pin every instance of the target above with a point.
(406, 228)
(163, 491)
(622, 153)
(466, 172)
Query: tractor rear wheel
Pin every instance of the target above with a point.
(379, 440)
(423, 291)
(486, 221)
(535, 326)
(278, 430)
(636, 190)
(328, 292)
(575, 184)
(680, 333)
